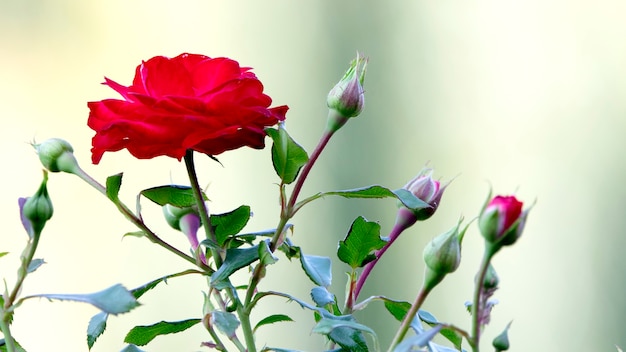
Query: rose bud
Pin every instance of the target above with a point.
(35, 211)
(57, 155)
(187, 221)
(501, 342)
(502, 220)
(426, 189)
(347, 98)
(443, 255)
(491, 280)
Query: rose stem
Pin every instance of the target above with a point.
(134, 219)
(474, 342)
(288, 211)
(408, 318)
(400, 225)
(244, 317)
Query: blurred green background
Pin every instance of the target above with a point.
(526, 97)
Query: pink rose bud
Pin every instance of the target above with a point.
(347, 97)
(187, 221)
(502, 220)
(428, 190)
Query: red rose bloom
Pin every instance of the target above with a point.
(186, 102)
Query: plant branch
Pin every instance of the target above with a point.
(410, 315)
(478, 304)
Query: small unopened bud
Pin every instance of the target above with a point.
(428, 190)
(501, 342)
(491, 279)
(37, 210)
(57, 155)
(443, 254)
(187, 221)
(347, 97)
(173, 215)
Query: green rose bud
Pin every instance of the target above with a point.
(443, 255)
(501, 342)
(347, 98)
(57, 155)
(491, 280)
(37, 210)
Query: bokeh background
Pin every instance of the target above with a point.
(526, 97)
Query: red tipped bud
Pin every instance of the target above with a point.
(502, 221)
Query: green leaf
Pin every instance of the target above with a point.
(97, 325)
(2, 254)
(287, 156)
(420, 340)
(265, 254)
(321, 296)
(317, 268)
(131, 348)
(139, 291)
(454, 337)
(275, 318)
(362, 239)
(236, 258)
(230, 224)
(113, 300)
(405, 197)
(225, 322)
(113, 185)
(178, 196)
(346, 332)
(397, 308)
(34, 265)
(142, 335)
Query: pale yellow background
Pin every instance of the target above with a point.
(526, 96)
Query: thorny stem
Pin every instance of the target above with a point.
(288, 210)
(202, 209)
(408, 318)
(7, 310)
(397, 229)
(478, 304)
(136, 220)
(244, 316)
(307, 168)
